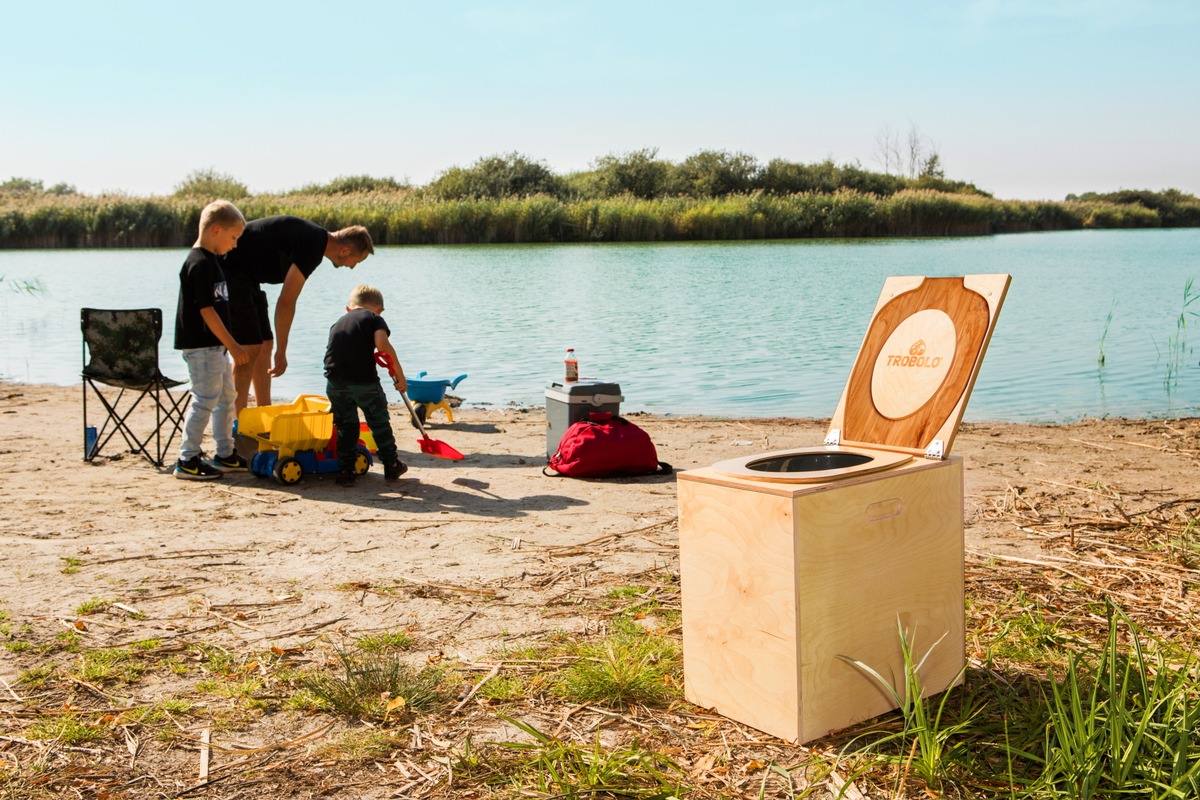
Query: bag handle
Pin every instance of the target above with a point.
(663, 469)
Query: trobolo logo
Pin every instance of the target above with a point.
(916, 357)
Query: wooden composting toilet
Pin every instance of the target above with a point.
(794, 564)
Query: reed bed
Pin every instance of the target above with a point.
(404, 217)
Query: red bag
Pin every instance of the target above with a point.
(606, 446)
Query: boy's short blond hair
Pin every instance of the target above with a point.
(221, 212)
(357, 238)
(364, 296)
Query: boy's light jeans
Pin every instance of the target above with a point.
(213, 395)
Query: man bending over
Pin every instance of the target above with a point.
(280, 250)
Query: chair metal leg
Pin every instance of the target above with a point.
(165, 414)
(170, 413)
(88, 453)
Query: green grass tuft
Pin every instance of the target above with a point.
(550, 767)
(387, 642)
(377, 687)
(92, 606)
(623, 668)
(69, 730)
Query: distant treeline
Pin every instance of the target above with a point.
(635, 197)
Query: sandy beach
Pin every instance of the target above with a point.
(467, 556)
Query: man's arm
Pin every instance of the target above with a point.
(213, 320)
(285, 312)
(384, 345)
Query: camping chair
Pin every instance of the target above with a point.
(123, 345)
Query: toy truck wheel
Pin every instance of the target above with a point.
(362, 460)
(419, 413)
(288, 471)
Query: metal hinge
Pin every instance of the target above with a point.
(834, 437)
(936, 450)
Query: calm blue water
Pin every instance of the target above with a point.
(730, 329)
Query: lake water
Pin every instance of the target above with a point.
(731, 329)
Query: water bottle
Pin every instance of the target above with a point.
(572, 366)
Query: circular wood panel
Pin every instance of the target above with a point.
(913, 363)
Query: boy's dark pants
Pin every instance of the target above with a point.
(344, 401)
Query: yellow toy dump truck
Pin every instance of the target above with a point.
(295, 438)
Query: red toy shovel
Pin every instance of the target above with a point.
(429, 446)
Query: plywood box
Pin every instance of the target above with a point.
(782, 583)
(805, 571)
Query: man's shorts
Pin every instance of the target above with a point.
(249, 321)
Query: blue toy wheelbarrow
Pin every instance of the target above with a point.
(429, 395)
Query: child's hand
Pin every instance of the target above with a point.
(401, 384)
(240, 356)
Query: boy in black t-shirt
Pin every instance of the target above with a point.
(352, 382)
(202, 334)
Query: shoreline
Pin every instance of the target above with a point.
(521, 408)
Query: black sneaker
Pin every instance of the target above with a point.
(394, 470)
(345, 479)
(195, 470)
(234, 462)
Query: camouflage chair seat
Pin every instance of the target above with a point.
(120, 350)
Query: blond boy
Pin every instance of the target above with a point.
(202, 334)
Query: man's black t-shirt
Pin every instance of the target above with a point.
(201, 284)
(350, 356)
(269, 246)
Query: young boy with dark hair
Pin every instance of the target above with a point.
(202, 334)
(352, 382)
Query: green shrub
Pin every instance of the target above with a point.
(206, 185)
(639, 174)
(713, 173)
(353, 184)
(510, 175)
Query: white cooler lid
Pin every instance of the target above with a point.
(585, 392)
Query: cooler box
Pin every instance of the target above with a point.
(568, 403)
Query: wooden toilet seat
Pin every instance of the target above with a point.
(911, 381)
(877, 461)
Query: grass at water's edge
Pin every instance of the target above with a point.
(400, 218)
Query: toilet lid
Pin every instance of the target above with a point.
(918, 362)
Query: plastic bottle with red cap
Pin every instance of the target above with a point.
(571, 363)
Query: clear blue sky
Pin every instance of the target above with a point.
(1027, 99)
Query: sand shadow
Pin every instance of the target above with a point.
(411, 496)
(482, 460)
(460, 427)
